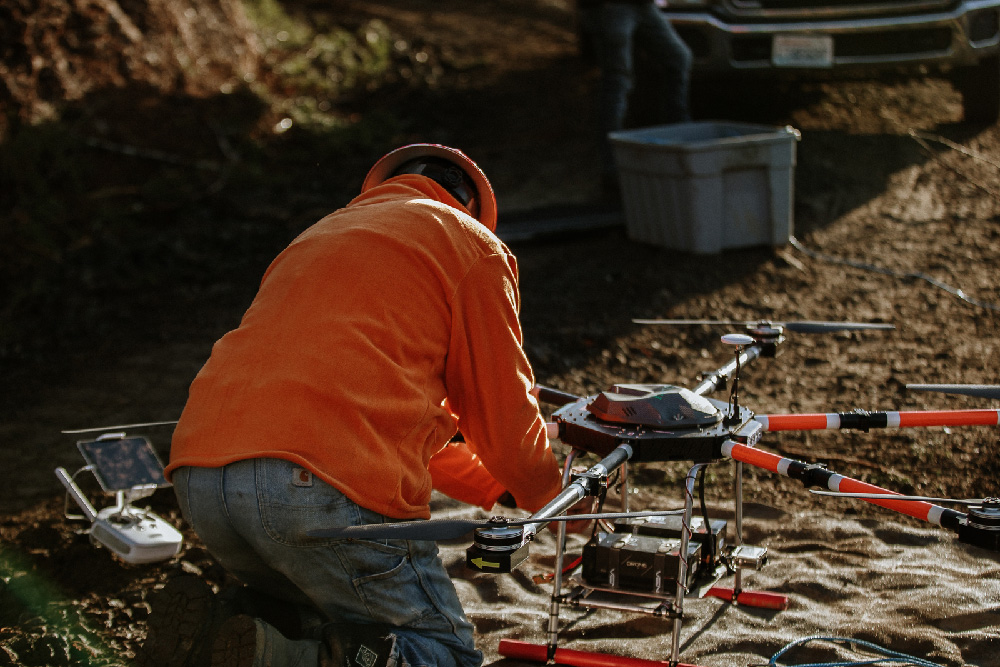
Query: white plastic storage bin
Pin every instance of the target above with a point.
(706, 186)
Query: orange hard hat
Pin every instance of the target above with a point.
(389, 165)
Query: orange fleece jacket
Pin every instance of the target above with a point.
(375, 336)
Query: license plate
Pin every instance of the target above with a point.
(802, 51)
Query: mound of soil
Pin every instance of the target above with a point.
(896, 217)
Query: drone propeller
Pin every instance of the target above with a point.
(978, 390)
(800, 326)
(893, 496)
(435, 530)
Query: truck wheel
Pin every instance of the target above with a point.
(980, 89)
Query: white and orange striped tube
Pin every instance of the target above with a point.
(522, 650)
(815, 475)
(870, 420)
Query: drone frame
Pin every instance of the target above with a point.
(745, 431)
(601, 427)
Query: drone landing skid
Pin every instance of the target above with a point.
(519, 650)
(757, 599)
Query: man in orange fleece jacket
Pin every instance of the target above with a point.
(377, 335)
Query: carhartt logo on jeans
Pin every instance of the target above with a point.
(301, 477)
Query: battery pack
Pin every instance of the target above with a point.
(713, 541)
(639, 563)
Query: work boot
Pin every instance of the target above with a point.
(186, 615)
(243, 641)
(358, 645)
(182, 616)
(288, 618)
(235, 644)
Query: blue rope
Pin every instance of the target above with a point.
(889, 656)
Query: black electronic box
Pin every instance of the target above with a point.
(630, 562)
(713, 542)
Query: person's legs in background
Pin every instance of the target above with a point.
(613, 25)
(670, 61)
(619, 31)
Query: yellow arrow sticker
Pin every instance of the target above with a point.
(480, 563)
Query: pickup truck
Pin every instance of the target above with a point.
(957, 39)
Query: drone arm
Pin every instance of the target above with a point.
(717, 379)
(552, 396)
(589, 483)
(869, 420)
(814, 475)
(714, 381)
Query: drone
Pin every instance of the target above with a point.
(650, 562)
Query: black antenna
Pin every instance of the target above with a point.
(739, 340)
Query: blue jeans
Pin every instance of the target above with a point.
(254, 515)
(621, 28)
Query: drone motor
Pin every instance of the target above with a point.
(982, 526)
(497, 548)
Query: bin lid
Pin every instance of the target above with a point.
(702, 134)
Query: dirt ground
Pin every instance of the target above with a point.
(897, 219)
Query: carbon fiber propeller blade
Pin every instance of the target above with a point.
(800, 326)
(434, 530)
(824, 327)
(893, 496)
(978, 390)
